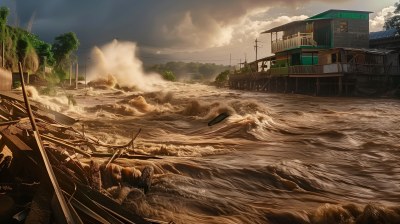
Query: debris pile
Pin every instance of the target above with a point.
(50, 172)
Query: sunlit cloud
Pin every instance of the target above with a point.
(376, 23)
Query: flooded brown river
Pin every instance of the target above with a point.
(276, 159)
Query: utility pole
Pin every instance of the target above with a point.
(2, 54)
(230, 61)
(256, 47)
(85, 75)
(76, 76)
(70, 74)
(85, 69)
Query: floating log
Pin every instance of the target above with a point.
(218, 119)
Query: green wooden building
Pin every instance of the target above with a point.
(298, 42)
(326, 54)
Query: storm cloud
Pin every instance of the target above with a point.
(172, 24)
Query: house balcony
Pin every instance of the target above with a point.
(294, 41)
(337, 68)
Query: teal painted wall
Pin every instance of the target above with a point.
(308, 60)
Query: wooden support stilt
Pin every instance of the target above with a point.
(286, 84)
(340, 86)
(297, 85)
(318, 87)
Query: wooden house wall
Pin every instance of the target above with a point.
(281, 59)
(325, 57)
(323, 32)
(393, 59)
(355, 36)
(357, 57)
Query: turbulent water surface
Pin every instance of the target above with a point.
(276, 159)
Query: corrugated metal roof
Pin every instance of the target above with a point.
(366, 50)
(327, 15)
(280, 28)
(383, 34)
(336, 13)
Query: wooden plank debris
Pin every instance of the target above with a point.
(53, 159)
(66, 211)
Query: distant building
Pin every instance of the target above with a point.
(328, 53)
(388, 39)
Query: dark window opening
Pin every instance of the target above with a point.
(349, 58)
(334, 59)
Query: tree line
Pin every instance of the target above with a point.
(22, 46)
(392, 21)
(188, 71)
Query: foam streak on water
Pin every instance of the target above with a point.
(277, 159)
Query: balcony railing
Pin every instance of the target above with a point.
(365, 69)
(296, 40)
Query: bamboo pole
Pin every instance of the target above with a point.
(57, 190)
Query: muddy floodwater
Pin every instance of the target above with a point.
(276, 159)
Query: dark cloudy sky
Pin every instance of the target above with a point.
(198, 30)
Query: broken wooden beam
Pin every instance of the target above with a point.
(66, 145)
(125, 156)
(68, 218)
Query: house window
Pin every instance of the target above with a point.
(334, 59)
(349, 58)
(343, 27)
(309, 27)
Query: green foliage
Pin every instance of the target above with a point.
(190, 71)
(43, 49)
(222, 77)
(63, 46)
(4, 12)
(393, 21)
(18, 45)
(16, 84)
(71, 99)
(169, 76)
(49, 90)
(22, 48)
(59, 73)
(21, 45)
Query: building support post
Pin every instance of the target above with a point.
(286, 84)
(297, 85)
(318, 87)
(340, 89)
